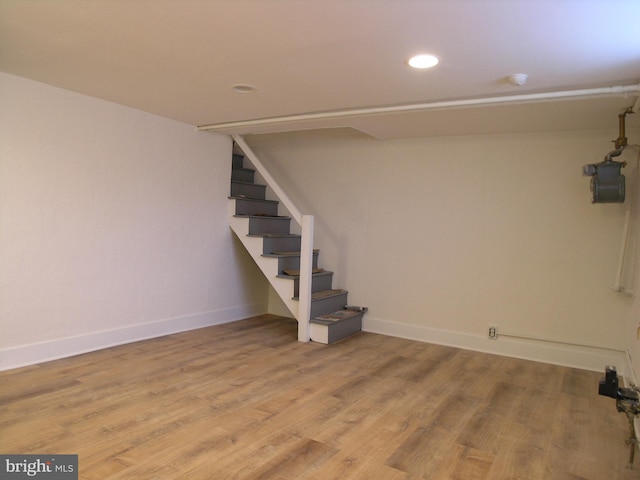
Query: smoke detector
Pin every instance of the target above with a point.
(517, 79)
(243, 88)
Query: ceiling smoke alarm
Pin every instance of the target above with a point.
(517, 79)
(242, 88)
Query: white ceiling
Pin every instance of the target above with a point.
(181, 58)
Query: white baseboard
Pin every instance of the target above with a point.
(31, 354)
(585, 358)
(565, 355)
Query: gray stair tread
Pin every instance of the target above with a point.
(325, 294)
(248, 183)
(243, 168)
(244, 197)
(272, 235)
(316, 273)
(334, 317)
(260, 216)
(287, 254)
(296, 273)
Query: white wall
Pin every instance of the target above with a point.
(631, 277)
(441, 238)
(113, 226)
(633, 318)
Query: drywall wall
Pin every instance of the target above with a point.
(631, 270)
(442, 238)
(113, 226)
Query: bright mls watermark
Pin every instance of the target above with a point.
(46, 467)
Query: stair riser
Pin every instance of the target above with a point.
(281, 244)
(242, 175)
(237, 161)
(268, 225)
(328, 305)
(328, 334)
(248, 190)
(293, 263)
(319, 283)
(255, 207)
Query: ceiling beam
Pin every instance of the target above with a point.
(615, 91)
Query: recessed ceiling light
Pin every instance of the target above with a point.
(423, 61)
(241, 88)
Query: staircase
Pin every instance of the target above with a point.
(277, 251)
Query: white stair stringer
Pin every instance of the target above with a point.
(268, 265)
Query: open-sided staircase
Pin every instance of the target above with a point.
(268, 237)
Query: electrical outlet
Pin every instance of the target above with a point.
(493, 333)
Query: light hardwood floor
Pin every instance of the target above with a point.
(246, 400)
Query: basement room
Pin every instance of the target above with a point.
(319, 239)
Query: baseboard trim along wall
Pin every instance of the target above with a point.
(564, 355)
(34, 353)
(586, 358)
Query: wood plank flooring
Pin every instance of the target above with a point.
(245, 400)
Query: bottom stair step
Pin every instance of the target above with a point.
(331, 327)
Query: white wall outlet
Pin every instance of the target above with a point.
(493, 333)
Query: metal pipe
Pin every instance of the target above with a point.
(633, 439)
(621, 141)
(617, 286)
(355, 112)
(562, 342)
(615, 153)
